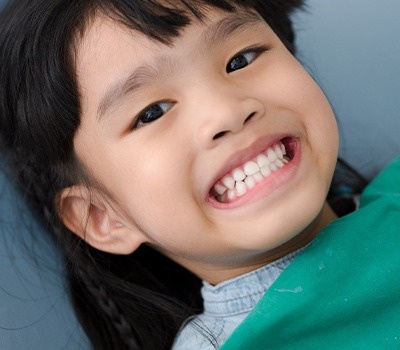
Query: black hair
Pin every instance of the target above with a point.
(346, 186)
(137, 301)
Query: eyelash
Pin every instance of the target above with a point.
(257, 51)
(165, 106)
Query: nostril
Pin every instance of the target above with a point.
(219, 135)
(222, 133)
(249, 117)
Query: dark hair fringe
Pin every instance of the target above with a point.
(123, 302)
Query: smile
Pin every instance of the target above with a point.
(255, 172)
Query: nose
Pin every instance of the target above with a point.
(223, 112)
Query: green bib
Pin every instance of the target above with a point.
(343, 290)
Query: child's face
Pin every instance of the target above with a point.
(207, 121)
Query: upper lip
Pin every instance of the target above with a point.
(242, 156)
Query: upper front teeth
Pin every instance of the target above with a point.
(271, 154)
(238, 174)
(220, 189)
(241, 179)
(262, 160)
(251, 168)
(229, 182)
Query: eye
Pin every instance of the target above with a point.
(244, 58)
(152, 113)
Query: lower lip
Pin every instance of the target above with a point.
(271, 183)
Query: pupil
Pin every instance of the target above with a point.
(153, 113)
(238, 62)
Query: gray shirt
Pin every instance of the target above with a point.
(226, 305)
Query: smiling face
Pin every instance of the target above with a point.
(217, 150)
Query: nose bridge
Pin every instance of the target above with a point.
(223, 108)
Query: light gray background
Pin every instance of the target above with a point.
(352, 48)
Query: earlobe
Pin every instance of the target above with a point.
(89, 216)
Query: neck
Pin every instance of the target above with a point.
(215, 275)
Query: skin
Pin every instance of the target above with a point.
(154, 180)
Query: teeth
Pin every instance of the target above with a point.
(231, 194)
(271, 155)
(241, 188)
(253, 172)
(229, 182)
(262, 160)
(238, 175)
(251, 168)
(283, 148)
(278, 151)
(220, 189)
(266, 171)
(250, 182)
(279, 163)
(273, 167)
(258, 177)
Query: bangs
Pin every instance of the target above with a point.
(163, 20)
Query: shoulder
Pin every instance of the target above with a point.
(385, 185)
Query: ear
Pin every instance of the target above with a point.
(88, 214)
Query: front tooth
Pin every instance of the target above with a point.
(279, 163)
(250, 182)
(220, 189)
(258, 177)
(238, 175)
(278, 151)
(271, 155)
(229, 182)
(266, 171)
(262, 160)
(251, 168)
(241, 188)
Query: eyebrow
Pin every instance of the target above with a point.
(138, 79)
(146, 73)
(230, 25)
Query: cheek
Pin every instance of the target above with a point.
(149, 179)
(306, 99)
(152, 184)
(291, 88)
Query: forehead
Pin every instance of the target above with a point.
(109, 54)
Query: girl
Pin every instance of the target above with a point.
(165, 143)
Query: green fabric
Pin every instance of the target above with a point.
(343, 290)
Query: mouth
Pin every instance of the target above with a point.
(255, 173)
